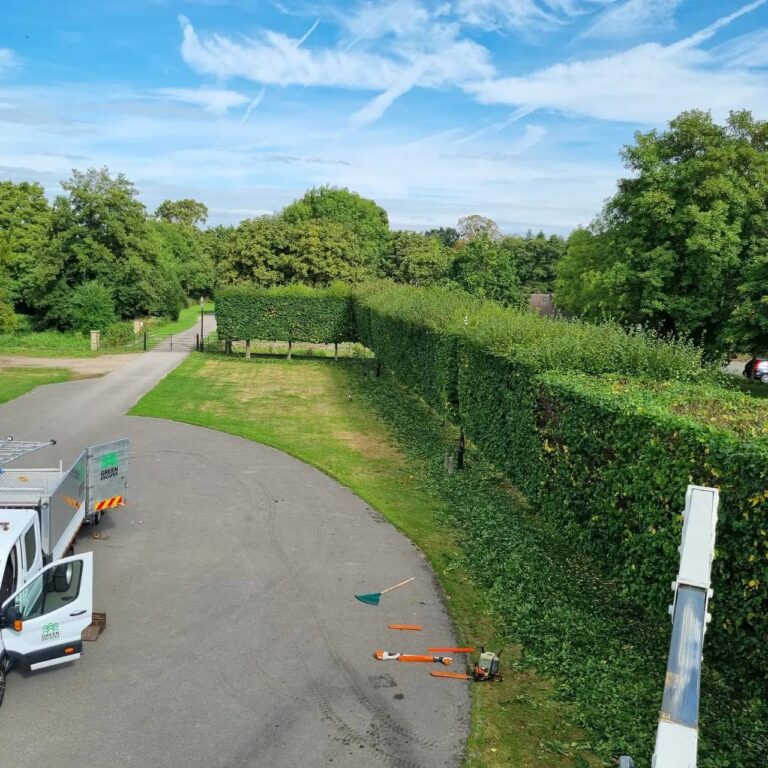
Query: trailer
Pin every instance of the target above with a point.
(46, 591)
(96, 481)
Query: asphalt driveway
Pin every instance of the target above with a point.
(233, 635)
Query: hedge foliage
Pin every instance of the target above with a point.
(616, 460)
(290, 313)
(601, 429)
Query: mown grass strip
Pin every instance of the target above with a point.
(15, 382)
(339, 418)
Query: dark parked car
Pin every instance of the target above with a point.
(757, 368)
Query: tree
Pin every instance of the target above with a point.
(99, 233)
(675, 244)
(182, 245)
(470, 227)
(416, 259)
(25, 218)
(363, 217)
(482, 267)
(320, 252)
(255, 253)
(536, 257)
(7, 315)
(448, 236)
(589, 280)
(215, 241)
(187, 211)
(90, 307)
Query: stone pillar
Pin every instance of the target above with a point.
(95, 340)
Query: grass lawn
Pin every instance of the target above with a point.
(322, 413)
(16, 381)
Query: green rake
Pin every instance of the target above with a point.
(372, 598)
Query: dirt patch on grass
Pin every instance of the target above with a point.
(81, 367)
(372, 446)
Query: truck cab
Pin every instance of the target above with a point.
(43, 610)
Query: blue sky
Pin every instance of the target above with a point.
(515, 109)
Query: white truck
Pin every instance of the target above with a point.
(46, 591)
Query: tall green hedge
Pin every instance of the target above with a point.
(601, 429)
(291, 313)
(616, 462)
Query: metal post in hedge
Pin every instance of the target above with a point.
(145, 341)
(460, 455)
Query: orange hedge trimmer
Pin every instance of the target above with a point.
(386, 656)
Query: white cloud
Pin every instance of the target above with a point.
(524, 14)
(214, 100)
(402, 18)
(748, 51)
(646, 84)
(491, 14)
(437, 58)
(8, 60)
(275, 59)
(633, 17)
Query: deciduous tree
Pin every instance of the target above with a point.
(416, 259)
(673, 246)
(363, 217)
(483, 268)
(187, 211)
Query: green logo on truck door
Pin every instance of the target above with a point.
(50, 631)
(109, 460)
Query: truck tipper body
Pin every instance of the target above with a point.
(46, 596)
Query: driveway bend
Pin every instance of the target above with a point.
(233, 636)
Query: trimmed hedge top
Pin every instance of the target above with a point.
(542, 343)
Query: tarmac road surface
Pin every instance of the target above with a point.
(233, 637)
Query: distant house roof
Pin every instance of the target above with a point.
(542, 303)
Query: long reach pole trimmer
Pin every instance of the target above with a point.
(677, 735)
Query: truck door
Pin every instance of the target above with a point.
(107, 477)
(42, 623)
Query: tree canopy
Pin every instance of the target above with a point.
(679, 246)
(361, 216)
(484, 268)
(187, 211)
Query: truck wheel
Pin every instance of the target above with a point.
(2, 681)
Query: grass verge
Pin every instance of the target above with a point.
(323, 413)
(14, 382)
(512, 579)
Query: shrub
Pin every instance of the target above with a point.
(119, 334)
(89, 307)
